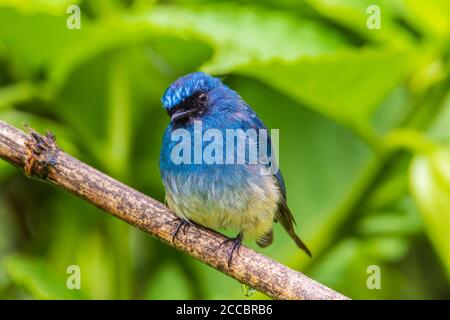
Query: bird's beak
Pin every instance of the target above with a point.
(181, 114)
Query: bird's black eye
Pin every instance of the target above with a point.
(202, 99)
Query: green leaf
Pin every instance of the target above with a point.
(37, 6)
(62, 49)
(430, 186)
(390, 248)
(390, 222)
(19, 119)
(432, 17)
(354, 14)
(439, 130)
(39, 279)
(347, 86)
(17, 93)
(218, 25)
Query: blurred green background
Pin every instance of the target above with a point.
(364, 119)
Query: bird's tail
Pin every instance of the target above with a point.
(299, 242)
(285, 217)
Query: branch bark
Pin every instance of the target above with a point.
(38, 156)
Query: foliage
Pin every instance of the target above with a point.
(363, 117)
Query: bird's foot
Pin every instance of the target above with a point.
(235, 245)
(182, 225)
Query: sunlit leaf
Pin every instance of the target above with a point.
(37, 6)
(432, 16)
(430, 185)
(219, 25)
(440, 128)
(346, 86)
(355, 14)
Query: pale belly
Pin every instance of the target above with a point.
(248, 207)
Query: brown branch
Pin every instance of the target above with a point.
(39, 157)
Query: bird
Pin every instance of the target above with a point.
(246, 196)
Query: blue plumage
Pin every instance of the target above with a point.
(201, 184)
(186, 86)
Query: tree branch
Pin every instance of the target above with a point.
(39, 157)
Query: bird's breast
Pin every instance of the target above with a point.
(223, 196)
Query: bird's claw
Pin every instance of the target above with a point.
(182, 224)
(235, 245)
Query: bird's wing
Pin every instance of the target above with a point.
(283, 214)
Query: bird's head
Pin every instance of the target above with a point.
(190, 96)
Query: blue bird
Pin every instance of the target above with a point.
(243, 196)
